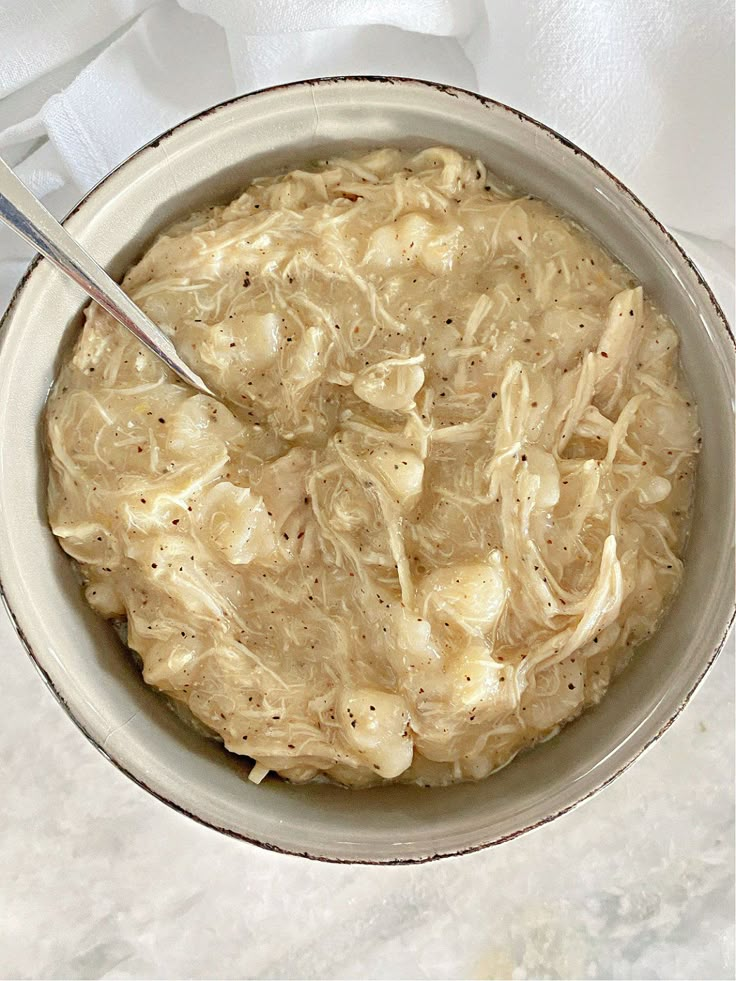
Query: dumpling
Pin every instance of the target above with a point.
(235, 521)
(388, 385)
(472, 595)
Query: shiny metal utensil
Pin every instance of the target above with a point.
(25, 214)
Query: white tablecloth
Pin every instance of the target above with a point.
(99, 880)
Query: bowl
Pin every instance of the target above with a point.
(207, 159)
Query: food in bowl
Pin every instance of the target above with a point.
(442, 500)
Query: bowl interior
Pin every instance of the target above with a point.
(210, 159)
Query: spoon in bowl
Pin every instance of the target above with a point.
(23, 212)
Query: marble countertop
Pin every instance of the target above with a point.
(99, 880)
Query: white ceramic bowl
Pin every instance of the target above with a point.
(210, 158)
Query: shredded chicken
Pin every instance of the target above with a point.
(444, 495)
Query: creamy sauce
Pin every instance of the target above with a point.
(445, 494)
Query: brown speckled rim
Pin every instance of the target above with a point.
(456, 93)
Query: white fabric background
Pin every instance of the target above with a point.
(647, 88)
(100, 881)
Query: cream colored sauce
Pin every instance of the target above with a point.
(444, 497)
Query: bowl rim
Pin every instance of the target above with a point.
(458, 93)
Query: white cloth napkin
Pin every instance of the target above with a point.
(646, 88)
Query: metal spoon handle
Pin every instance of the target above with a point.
(25, 214)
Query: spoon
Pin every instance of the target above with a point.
(23, 212)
